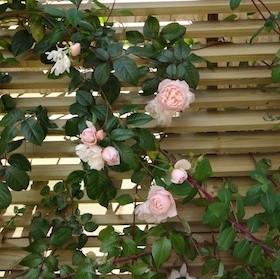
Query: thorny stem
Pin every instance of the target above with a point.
(268, 251)
(111, 10)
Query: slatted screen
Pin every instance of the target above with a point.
(227, 122)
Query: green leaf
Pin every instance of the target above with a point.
(254, 223)
(276, 265)
(111, 89)
(275, 74)
(106, 267)
(268, 200)
(101, 54)
(128, 108)
(121, 134)
(192, 75)
(90, 226)
(181, 50)
(21, 42)
(138, 119)
(54, 12)
(60, 236)
(8, 102)
(165, 56)
(75, 82)
(138, 268)
(224, 195)
(240, 212)
(216, 214)
(126, 69)
(203, 170)
(51, 262)
(74, 16)
(86, 26)
(71, 126)
(124, 199)
(161, 251)
(13, 145)
(183, 189)
(8, 133)
(19, 161)
(255, 257)
(178, 242)
(16, 179)
(151, 27)
(3, 8)
(146, 140)
(115, 50)
(242, 249)
(5, 196)
(226, 238)
(134, 37)
(173, 31)
(32, 260)
(234, 4)
(143, 51)
(138, 176)
(12, 117)
(84, 98)
(149, 86)
(32, 273)
(102, 73)
(32, 131)
(129, 247)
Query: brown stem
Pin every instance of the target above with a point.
(268, 251)
(133, 257)
(111, 10)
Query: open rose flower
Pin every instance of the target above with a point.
(111, 156)
(75, 49)
(175, 274)
(91, 155)
(159, 206)
(173, 96)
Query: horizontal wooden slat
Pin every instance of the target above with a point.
(231, 52)
(182, 7)
(223, 98)
(209, 121)
(26, 82)
(223, 165)
(200, 143)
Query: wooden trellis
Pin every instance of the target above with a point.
(227, 122)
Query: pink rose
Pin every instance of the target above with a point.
(174, 95)
(75, 49)
(100, 135)
(159, 206)
(178, 176)
(111, 156)
(88, 136)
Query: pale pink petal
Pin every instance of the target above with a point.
(183, 164)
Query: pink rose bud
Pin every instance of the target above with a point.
(111, 156)
(178, 176)
(183, 164)
(100, 135)
(174, 95)
(88, 136)
(75, 49)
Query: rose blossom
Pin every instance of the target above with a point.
(111, 156)
(180, 274)
(183, 164)
(91, 155)
(178, 176)
(159, 206)
(174, 95)
(88, 136)
(75, 49)
(100, 135)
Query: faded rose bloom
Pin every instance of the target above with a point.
(111, 156)
(75, 49)
(100, 135)
(183, 164)
(174, 95)
(163, 117)
(178, 176)
(91, 155)
(175, 274)
(88, 136)
(61, 59)
(159, 206)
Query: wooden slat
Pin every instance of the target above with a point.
(223, 165)
(222, 98)
(182, 7)
(231, 52)
(195, 29)
(209, 121)
(199, 143)
(25, 82)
